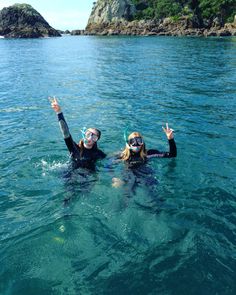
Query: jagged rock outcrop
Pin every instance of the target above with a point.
(110, 11)
(23, 21)
(115, 17)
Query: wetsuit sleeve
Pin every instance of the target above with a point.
(66, 133)
(63, 126)
(171, 154)
(101, 154)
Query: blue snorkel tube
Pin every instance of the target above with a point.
(126, 136)
(83, 131)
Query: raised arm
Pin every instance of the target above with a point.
(62, 122)
(172, 146)
(63, 125)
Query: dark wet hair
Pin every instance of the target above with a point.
(81, 142)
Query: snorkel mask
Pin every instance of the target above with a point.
(134, 143)
(88, 135)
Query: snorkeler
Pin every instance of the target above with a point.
(135, 155)
(135, 150)
(86, 152)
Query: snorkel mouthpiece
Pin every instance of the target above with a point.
(135, 148)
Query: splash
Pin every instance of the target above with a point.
(52, 166)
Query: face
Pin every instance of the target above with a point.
(135, 144)
(91, 136)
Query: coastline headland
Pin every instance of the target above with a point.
(23, 21)
(124, 17)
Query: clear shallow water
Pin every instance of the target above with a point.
(175, 237)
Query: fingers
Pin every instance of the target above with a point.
(117, 182)
(167, 128)
(168, 131)
(53, 99)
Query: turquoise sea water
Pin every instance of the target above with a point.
(176, 236)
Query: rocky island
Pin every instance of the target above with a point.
(163, 18)
(23, 21)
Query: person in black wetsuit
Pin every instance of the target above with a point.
(81, 175)
(86, 152)
(136, 152)
(135, 155)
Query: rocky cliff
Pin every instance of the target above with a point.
(23, 21)
(116, 17)
(109, 11)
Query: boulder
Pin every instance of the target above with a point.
(210, 33)
(216, 23)
(77, 32)
(231, 27)
(223, 33)
(23, 21)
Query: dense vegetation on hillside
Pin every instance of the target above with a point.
(204, 10)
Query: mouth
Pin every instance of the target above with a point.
(135, 148)
(88, 141)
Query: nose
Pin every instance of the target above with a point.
(89, 136)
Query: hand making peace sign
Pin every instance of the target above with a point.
(168, 132)
(54, 104)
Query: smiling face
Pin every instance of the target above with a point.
(91, 136)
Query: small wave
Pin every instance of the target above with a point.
(2, 37)
(18, 109)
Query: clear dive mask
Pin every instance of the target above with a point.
(89, 135)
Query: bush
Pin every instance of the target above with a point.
(203, 9)
(165, 8)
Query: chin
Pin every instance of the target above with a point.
(89, 144)
(136, 151)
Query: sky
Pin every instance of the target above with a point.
(60, 14)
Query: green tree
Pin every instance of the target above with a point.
(223, 9)
(202, 9)
(165, 8)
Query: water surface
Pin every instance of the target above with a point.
(174, 233)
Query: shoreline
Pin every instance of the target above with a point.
(166, 27)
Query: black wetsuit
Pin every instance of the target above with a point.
(85, 158)
(139, 173)
(135, 158)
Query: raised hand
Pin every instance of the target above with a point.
(54, 104)
(169, 132)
